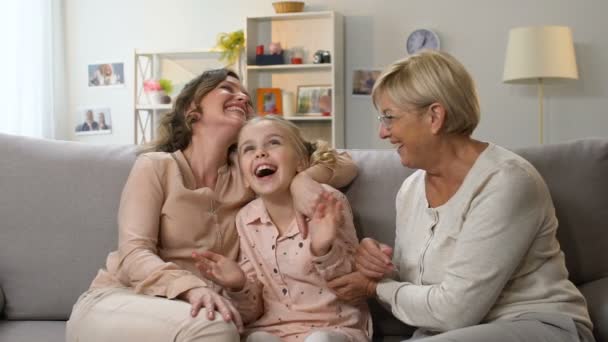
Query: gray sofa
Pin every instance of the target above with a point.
(58, 205)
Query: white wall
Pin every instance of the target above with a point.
(475, 31)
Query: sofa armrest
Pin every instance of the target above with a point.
(596, 293)
(1, 303)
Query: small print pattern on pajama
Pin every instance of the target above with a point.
(286, 293)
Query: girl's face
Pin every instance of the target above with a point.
(268, 160)
(226, 106)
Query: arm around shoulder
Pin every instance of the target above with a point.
(339, 175)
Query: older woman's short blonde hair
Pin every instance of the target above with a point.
(428, 77)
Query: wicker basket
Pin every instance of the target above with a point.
(288, 6)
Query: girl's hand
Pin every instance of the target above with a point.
(204, 297)
(306, 193)
(326, 221)
(373, 259)
(220, 269)
(353, 288)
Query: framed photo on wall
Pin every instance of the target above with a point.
(314, 100)
(269, 101)
(106, 75)
(364, 80)
(94, 120)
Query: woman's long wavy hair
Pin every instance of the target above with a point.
(174, 131)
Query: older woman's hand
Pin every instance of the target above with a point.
(204, 297)
(353, 288)
(373, 259)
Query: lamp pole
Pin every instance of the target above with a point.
(541, 123)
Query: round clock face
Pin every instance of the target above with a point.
(422, 39)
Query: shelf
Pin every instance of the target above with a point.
(179, 52)
(309, 118)
(278, 67)
(296, 15)
(177, 65)
(301, 34)
(154, 106)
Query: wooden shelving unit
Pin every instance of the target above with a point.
(307, 32)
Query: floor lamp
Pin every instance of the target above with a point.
(538, 53)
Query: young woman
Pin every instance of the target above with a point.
(182, 196)
(280, 287)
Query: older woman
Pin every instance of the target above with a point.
(180, 198)
(476, 256)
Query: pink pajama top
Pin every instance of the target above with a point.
(286, 293)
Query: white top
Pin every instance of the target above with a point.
(488, 253)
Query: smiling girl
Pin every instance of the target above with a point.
(280, 286)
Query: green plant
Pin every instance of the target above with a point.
(230, 44)
(166, 85)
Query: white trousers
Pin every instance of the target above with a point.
(117, 315)
(537, 327)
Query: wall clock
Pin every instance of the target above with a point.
(422, 39)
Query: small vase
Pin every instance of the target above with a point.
(155, 97)
(288, 103)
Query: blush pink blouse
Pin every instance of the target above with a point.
(286, 293)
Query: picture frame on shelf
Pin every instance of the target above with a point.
(269, 101)
(314, 100)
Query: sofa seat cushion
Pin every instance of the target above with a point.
(30, 331)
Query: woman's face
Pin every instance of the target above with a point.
(226, 106)
(106, 69)
(409, 131)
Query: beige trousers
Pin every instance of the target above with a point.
(119, 315)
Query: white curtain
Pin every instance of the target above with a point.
(31, 63)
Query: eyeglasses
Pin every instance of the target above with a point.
(386, 119)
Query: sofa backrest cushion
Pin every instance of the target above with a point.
(58, 207)
(577, 175)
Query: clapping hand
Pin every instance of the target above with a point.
(220, 269)
(325, 222)
(306, 193)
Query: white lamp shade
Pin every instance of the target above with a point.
(540, 52)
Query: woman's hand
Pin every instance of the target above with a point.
(353, 288)
(204, 297)
(306, 193)
(373, 259)
(220, 269)
(325, 223)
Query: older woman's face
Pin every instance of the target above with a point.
(406, 129)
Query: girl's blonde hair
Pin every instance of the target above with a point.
(174, 130)
(318, 152)
(428, 77)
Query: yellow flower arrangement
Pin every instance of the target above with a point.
(230, 44)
